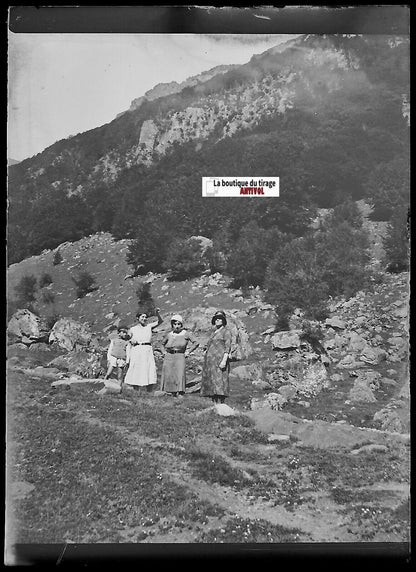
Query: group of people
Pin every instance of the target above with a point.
(133, 349)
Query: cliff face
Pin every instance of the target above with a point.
(304, 73)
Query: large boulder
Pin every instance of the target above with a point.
(372, 355)
(388, 419)
(253, 371)
(26, 327)
(312, 380)
(335, 323)
(286, 340)
(204, 242)
(80, 362)
(70, 334)
(362, 392)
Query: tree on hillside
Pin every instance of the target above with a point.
(293, 280)
(346, 211)
(55, 219)
(218, 254)
(389, 187)
(25, 291)
(145, 300)
(342, 255)
(147, 252)
(85, 283)
(396, 242)
(250, 255)
(185, 259)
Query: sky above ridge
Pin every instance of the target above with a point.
(64, 84)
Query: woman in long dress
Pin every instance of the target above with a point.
(216, 367)
(140, 358)
(173, 370)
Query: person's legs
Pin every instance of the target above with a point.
(109, 371)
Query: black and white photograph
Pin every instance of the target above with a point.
(188, 373)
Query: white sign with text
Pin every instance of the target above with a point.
(240, 186)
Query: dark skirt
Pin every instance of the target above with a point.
(214, 380)
(173, 373)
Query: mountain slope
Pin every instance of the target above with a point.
(323, 111)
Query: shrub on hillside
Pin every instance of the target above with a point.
(389, 187)
(293, 280)
(185, 259)
(145, 300)
(396, 242)
(45, 280)
(85, 284)
(147, 252)
(306, 271)
(347, 211)
(342, 254)
(217, 255)
(57, 258)
(313, 334)
(250, 255)
(25, 290)
(282, 322)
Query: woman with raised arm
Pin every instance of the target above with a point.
(140, 358)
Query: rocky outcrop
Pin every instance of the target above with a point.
(81, 363)
(321, 434)
(286, 340)
(70, 334)
(148, 135)
(25, 327)
(204, 242)
(388, 419)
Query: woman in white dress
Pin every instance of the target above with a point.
(140, 358)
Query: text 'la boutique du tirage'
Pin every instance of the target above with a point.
(240, 186)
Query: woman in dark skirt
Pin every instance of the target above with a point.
(216, 368)
(173, 370)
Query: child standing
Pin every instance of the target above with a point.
(117, 353)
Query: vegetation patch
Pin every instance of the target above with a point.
(370, 521)
(338, 468)
(239, 529)
(85, 497)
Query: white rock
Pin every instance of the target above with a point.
(225, 410)
(272, 438)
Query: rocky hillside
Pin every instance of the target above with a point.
(228, 99)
